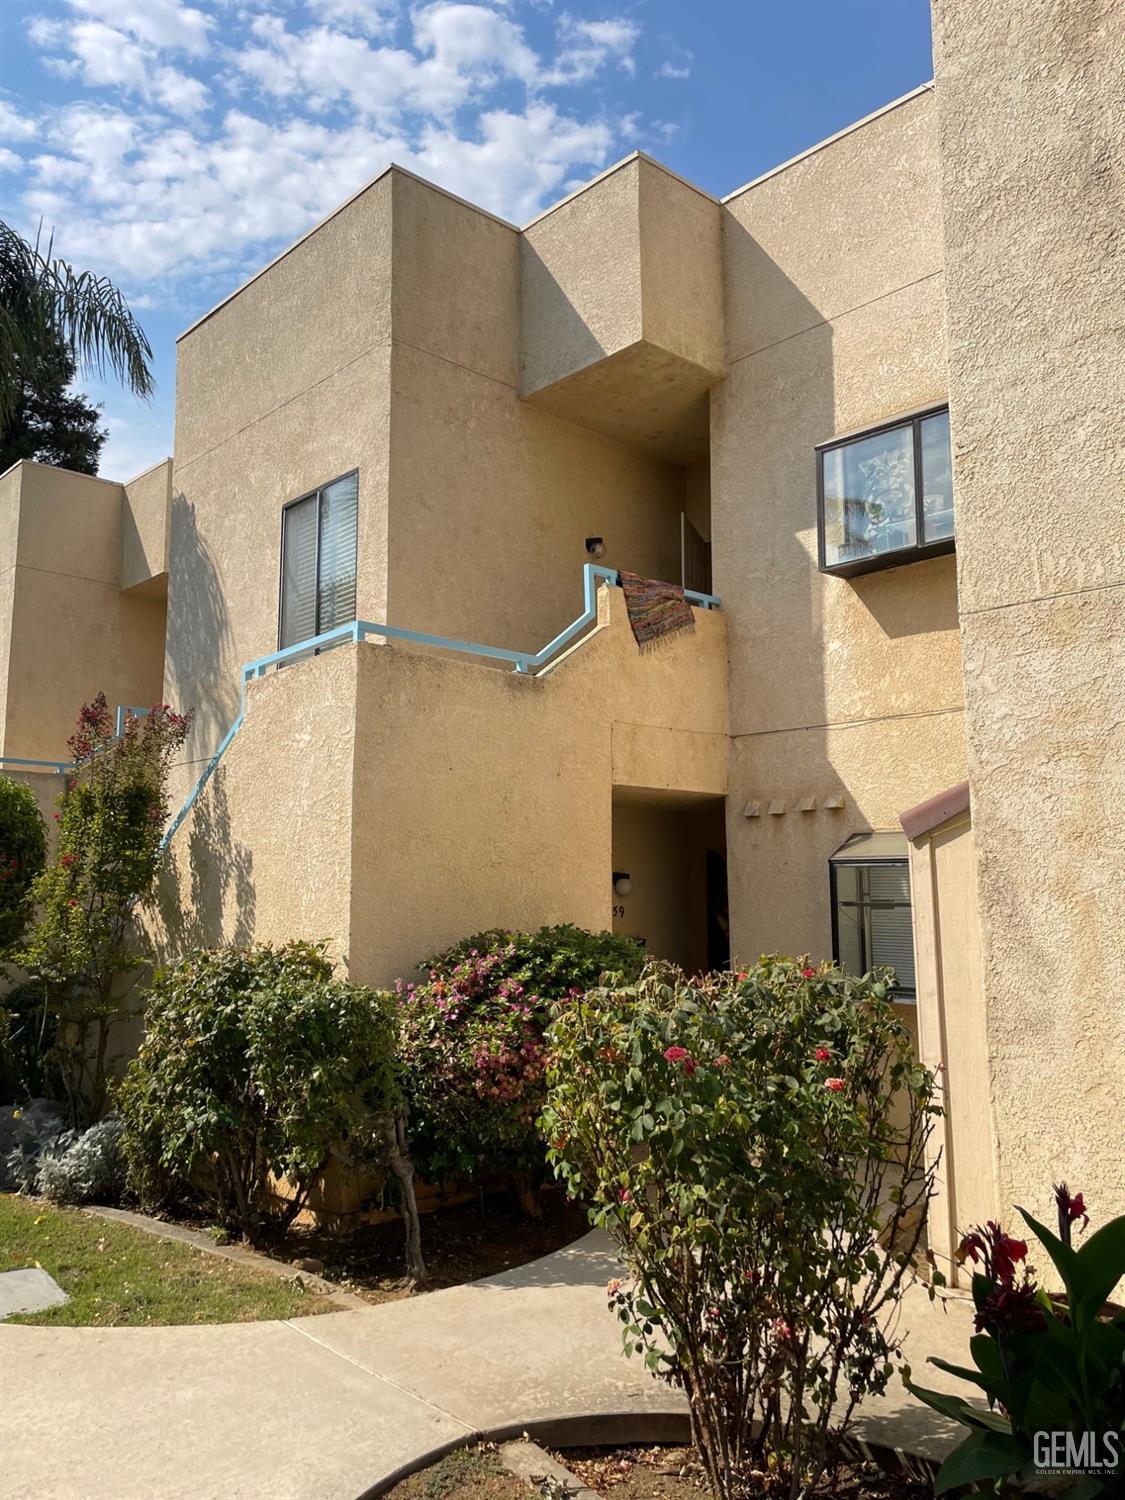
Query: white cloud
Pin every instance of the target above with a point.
(105, 57)
(9, 160)
(162, 24)
(519, 160)
(373, 17)
(587, 46)
(149, 184)
(14, 126)
(674, 70)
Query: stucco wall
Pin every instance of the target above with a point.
(491, 499)
(846, 688)
(283, 388)
(70, 631)
(395, 802)
(1033, 204)
(146, 519)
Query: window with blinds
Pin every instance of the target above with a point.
(871, 921)
(318, 561)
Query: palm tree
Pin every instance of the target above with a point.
(43, 300)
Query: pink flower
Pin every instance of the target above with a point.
(722, 1061)
(807, 973)
(835, 1085)
(822, 1054)
(683, 1057)
(625, 1195)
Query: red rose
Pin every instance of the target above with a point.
(835, 1085)
(823, 1054)
(807, 973)
(683, 1057)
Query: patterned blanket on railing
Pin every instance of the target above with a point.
(656, 610)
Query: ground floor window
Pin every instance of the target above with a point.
(871, 922)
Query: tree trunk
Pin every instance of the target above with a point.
(398, 1155)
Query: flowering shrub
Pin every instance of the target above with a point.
(738, 1138)
(1052, 1365)
(472, 1044)
(111, 819)
(23, 849)
(258, 1064)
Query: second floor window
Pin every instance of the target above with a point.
(886, 496)
(318, 561)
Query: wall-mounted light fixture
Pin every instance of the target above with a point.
(622, 883)
(595, 546)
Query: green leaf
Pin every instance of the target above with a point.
(983, 1455)
(1065, 1259)
(960, 1410)
(1101, 1264)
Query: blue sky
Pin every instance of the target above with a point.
(177, 145)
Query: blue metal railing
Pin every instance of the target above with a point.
(523, 662)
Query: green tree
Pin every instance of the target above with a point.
(44, 300)
(111, 820)
(50, 423)
(23, 850)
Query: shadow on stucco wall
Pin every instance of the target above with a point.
(777, 402)
(206, 896)
(200, 644)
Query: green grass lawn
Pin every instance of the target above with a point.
(118, 1277)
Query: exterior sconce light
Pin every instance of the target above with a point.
(595, 546)
(622, 883)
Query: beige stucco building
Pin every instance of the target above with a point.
(865, 406)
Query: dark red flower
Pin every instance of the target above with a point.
(998, 1252)
(1010, 1309)
(683, 1057)
(1069, 1210)
(822, 1054)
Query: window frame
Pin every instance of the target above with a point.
(900, 994)
(316, 494)
(899, 556)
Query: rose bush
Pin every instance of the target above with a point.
(755, 1143)
(472, 1045)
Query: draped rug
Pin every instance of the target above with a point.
(656, 610)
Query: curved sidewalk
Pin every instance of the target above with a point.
(325, 1408)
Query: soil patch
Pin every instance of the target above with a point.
(673, 1473)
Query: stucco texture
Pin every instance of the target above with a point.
(1032, 137)
(848, 688)
(394, 801)
(69, 630)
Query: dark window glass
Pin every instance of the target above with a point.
(318, 561)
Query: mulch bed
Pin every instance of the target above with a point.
(460, 1244)
(673, 1473)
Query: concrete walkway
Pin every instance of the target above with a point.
(325, 1408)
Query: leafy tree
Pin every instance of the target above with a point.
(111, 820)
(49, 423)
(23, 851)
(44, 300)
